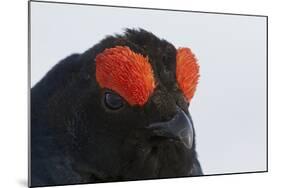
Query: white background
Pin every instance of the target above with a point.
(13, 80)
(229, 107)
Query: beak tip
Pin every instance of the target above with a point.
(188, 142)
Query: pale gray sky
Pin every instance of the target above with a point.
(229, 107)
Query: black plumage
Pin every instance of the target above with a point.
(76, 138)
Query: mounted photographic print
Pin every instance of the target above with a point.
(122, 93)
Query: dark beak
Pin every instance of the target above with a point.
(179, 128)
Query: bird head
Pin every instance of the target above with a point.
(125, 113)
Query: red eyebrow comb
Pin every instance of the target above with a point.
(127, 73)
(187, 72)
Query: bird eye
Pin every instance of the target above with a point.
(113, 101)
